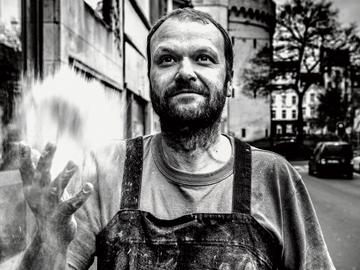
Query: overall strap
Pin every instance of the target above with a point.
(242, 178)
(131, 184)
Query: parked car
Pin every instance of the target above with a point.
(332, 158)
(356, 163)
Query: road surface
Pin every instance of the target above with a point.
(337, 203)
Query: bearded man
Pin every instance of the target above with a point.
(189, 197)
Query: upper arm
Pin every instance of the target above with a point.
(304, 244)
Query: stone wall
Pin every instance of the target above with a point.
(251, 26)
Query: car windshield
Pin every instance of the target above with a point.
(337, 150)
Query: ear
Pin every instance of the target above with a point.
(230, 89)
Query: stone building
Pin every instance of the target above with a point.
(251, 26)
(45, 35)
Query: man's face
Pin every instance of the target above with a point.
(188, 71)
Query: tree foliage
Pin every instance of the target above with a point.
(304, 28)
(258, 74)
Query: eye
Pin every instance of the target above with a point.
(166, 59)
(203, 58)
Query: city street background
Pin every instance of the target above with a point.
(337, 203)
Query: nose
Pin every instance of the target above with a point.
(186, 70)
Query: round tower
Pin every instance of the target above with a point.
(251, 26)
(218, 9)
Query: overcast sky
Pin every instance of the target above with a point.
(349, 10)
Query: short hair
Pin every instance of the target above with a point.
(199, 16)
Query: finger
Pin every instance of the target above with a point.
(70, 206)
(45, 159)
(58, 186)
(26, 166)
(44, 164)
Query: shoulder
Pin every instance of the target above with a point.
(116, 148)
(108, 159)
(271, 161)
(274, 171)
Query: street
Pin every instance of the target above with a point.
(337, 203)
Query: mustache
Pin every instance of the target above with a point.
(185, 87)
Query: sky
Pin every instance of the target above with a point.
(349, 10)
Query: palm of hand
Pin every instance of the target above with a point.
(54, 214)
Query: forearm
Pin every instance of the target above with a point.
(41, 256)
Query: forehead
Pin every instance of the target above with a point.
(183, 33)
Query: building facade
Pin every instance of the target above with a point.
(284, 111)
(334, 73)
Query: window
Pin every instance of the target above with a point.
(11, 58)
(181, 4)
(14, 225)
(303, 110)
(254, 43)
(102, 9)
(273, 114)
(293, 114)
(266, 133)
(283, 114)
(243, 132)
(94, 3)
(293, 99)
(283, 100)
(158, 9)
(289, 128)
(136, 115)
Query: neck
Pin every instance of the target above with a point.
(198, 150)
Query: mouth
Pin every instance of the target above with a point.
(186, 92)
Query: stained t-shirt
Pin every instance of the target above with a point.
(279, 200)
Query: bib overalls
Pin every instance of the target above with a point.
(137, 240)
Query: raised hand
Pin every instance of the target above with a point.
(54, 215)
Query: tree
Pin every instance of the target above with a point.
(258, 74)
(346, 38)
(304, 27)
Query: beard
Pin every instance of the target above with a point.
(186, 128)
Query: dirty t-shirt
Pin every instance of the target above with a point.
(279, 201)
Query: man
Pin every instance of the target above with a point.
(187, 198)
